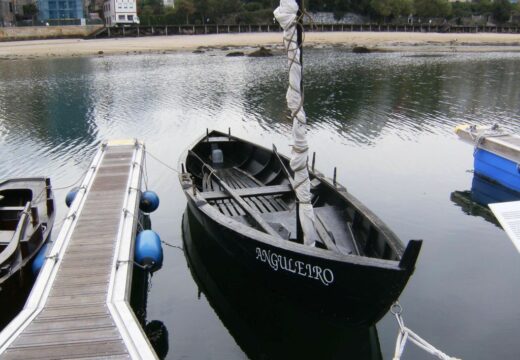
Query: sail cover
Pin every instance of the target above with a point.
(287, 16)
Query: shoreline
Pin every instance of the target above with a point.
(375, 41)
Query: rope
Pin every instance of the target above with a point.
(136, 218)
(162, 162)
(74, 183)
(406, 334)
(479, 135)
(172, 246)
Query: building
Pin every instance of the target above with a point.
(60, 9)
(7, 12)
(169, 3)
(10, 10)
(120, 12)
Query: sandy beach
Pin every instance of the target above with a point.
(391, 41)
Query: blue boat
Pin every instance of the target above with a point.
(497, 154)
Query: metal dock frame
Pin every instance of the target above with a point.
(72, 322)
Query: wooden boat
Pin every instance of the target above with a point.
(243, 194)
(251, 312)
(26, 219)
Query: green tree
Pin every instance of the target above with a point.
(482, 7)
(220, 8)
(30, 10)
(402, 7)
(393, 8)
(184, 9)
(432, 8)
(502, 10)
(203, 8)
(383, 8)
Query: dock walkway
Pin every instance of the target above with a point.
(79, 305)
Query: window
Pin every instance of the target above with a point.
(62, 4)
(52, 5)
(10, 7)
(121, 17)
(72, 4)
(130, 17)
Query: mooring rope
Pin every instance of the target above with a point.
(479, 135)
(406, 334)
(162, 162)
(136, 218)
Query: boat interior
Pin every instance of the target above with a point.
(253, 185)
(24, 213)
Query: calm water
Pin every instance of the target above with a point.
(385, 120)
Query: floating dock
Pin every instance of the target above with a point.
(79, 305)
(497, 154)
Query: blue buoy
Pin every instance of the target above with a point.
(71, 195)
(149, 201)
(148, 250)
(39, 260)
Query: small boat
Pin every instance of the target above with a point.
(26, 219)
(496, 155)
(244, 195)
(251, 312)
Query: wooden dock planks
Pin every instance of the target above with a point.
(76, 321)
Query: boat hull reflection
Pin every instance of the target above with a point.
(483, 192)
(264, 323)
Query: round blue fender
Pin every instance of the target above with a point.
(71, 195)
(148, 250)
(149, 201)
(39, 260)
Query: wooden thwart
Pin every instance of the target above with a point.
(248, 192)
(255, 215)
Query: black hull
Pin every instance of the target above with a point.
(264, 324)
(244, 196)
(358, 294)
(13, 294)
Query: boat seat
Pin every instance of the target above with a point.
(6, 236)
(12, 208)
(336, 224)
(219, 139)
(248, 192)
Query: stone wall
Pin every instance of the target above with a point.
(46, 32)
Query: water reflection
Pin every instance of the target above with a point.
(385, 120)
(483, 192)
(361, 97)
(47, 106)
(264, 324)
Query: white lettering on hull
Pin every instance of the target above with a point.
(277, 262)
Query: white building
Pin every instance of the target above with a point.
(120, 12)
(169, 3)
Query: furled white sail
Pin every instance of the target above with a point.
(286, 14)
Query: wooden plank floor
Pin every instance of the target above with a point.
(76, 322)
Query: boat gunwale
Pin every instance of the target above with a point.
(223, 220)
